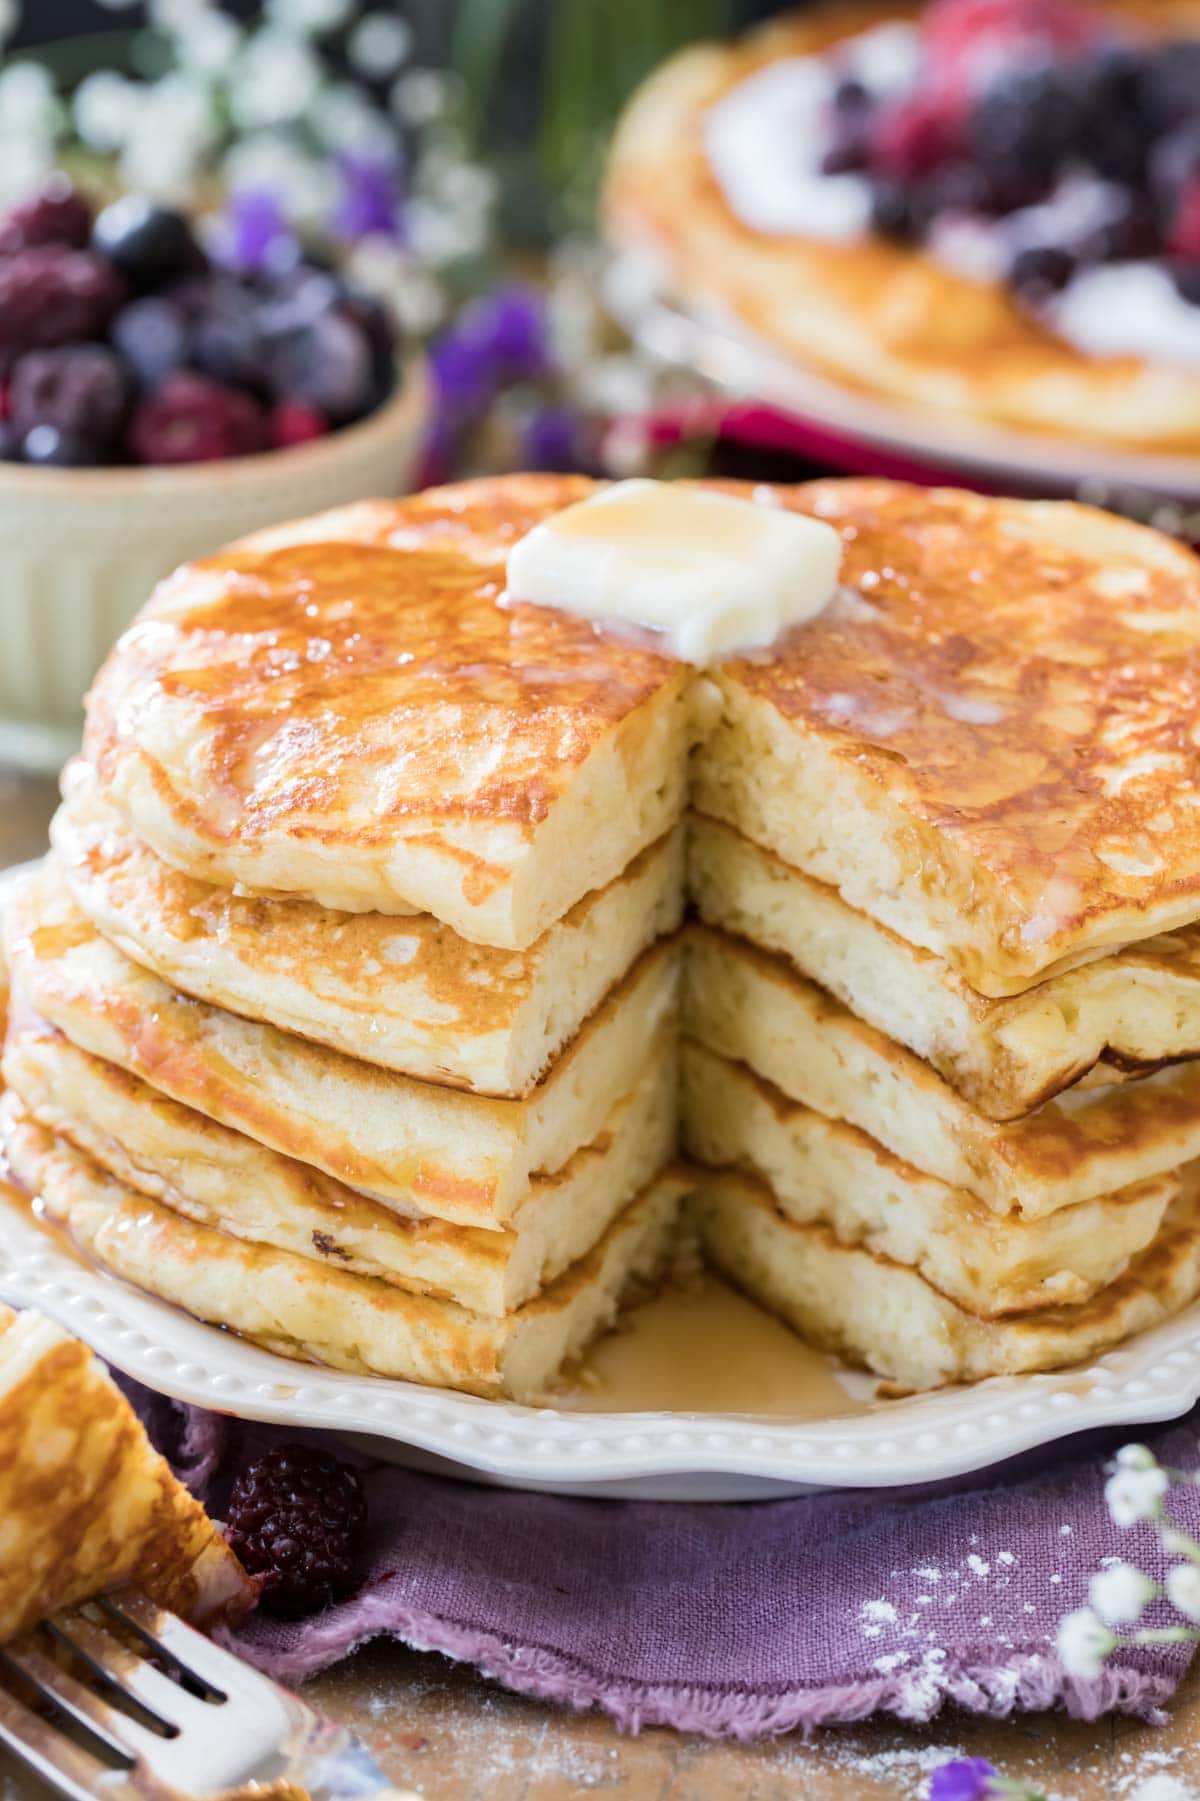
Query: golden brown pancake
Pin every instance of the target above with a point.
(406, 994)
(823, 1171)
(989, 740)
(1112, 1020)
(876, 315)
(223, 1179)
(311, 1311)
(86, 1503)
(754, 1008)
(885, 1316)
(346, 712)
(461, 1157)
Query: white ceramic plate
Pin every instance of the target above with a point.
(729, 356)
(693, 1456)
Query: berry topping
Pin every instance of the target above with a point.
(1183, 237)
(149, 244)
(297, 1518)
(917, 137)
(56, 214)
(968, 41)
(1040, 270)
(1169, 85)
(82, 390)
(50, 294)
(291, 422)
(193, 420)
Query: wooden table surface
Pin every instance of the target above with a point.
(444, 1732)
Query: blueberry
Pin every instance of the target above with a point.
(149, 244)
(152, 337)
(378, 326)
(1040, 270)
(1174, 161)
(55, 449)
(326, 363)
(226, 344)
(10, 443)
(901, 211)
(1111, 135)
(1186, 277)
(1169, 86)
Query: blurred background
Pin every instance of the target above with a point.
(360, 233)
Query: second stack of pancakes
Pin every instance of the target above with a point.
(360, 1136)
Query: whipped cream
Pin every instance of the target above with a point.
(765, 141)
(1128, 309)
(709, 574)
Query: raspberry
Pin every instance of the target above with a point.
(54, 215)
(297, 1517)
(916, 137)
(292, 422)
(1183, 238)
(967, 40)
(193, 420)
(50, 295)
(82, 390)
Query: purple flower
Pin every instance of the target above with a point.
(513, 320)
(462, 376)
(965, 1779)
(370, 203)
(253, 223)
(550, 440)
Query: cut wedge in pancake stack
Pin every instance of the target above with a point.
(945, 856)
(344, 1012)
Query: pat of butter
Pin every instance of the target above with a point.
(708, 573)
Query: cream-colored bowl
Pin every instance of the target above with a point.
(80, 550)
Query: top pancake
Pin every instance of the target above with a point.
(877, 315)
(341, 710)
(989, 740)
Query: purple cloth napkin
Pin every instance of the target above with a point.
(733, 1621)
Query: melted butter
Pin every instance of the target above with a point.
(707, 1349)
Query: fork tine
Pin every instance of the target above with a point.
(122, 1735)
(116, 1664)
(201, 1659)
(61, 1763)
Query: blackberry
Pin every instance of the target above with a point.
(50, 294)
(81, 390)
(1186, 276)
(1169, 86)
(901, 211)
(297, 1518)
(193, 420)
(1022, 130)
(1040, 270)
(1111, 135)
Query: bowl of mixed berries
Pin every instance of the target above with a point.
(153, 405)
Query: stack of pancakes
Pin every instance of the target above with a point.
(946, 856)
(344, 1011)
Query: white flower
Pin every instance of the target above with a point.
(1084, 1641)
(1119, 1594)
(1135, 1493)
(173, 130)
(24, 165)
(275, 77)
(312, 16)
(104, 109)
(385, 268)
(344, 118)
(1136, 1457)
(379, 43)
(28, 102)
(1183, 1589)
(421, 95)
(209, 42)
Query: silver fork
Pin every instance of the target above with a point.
(121, 1699)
